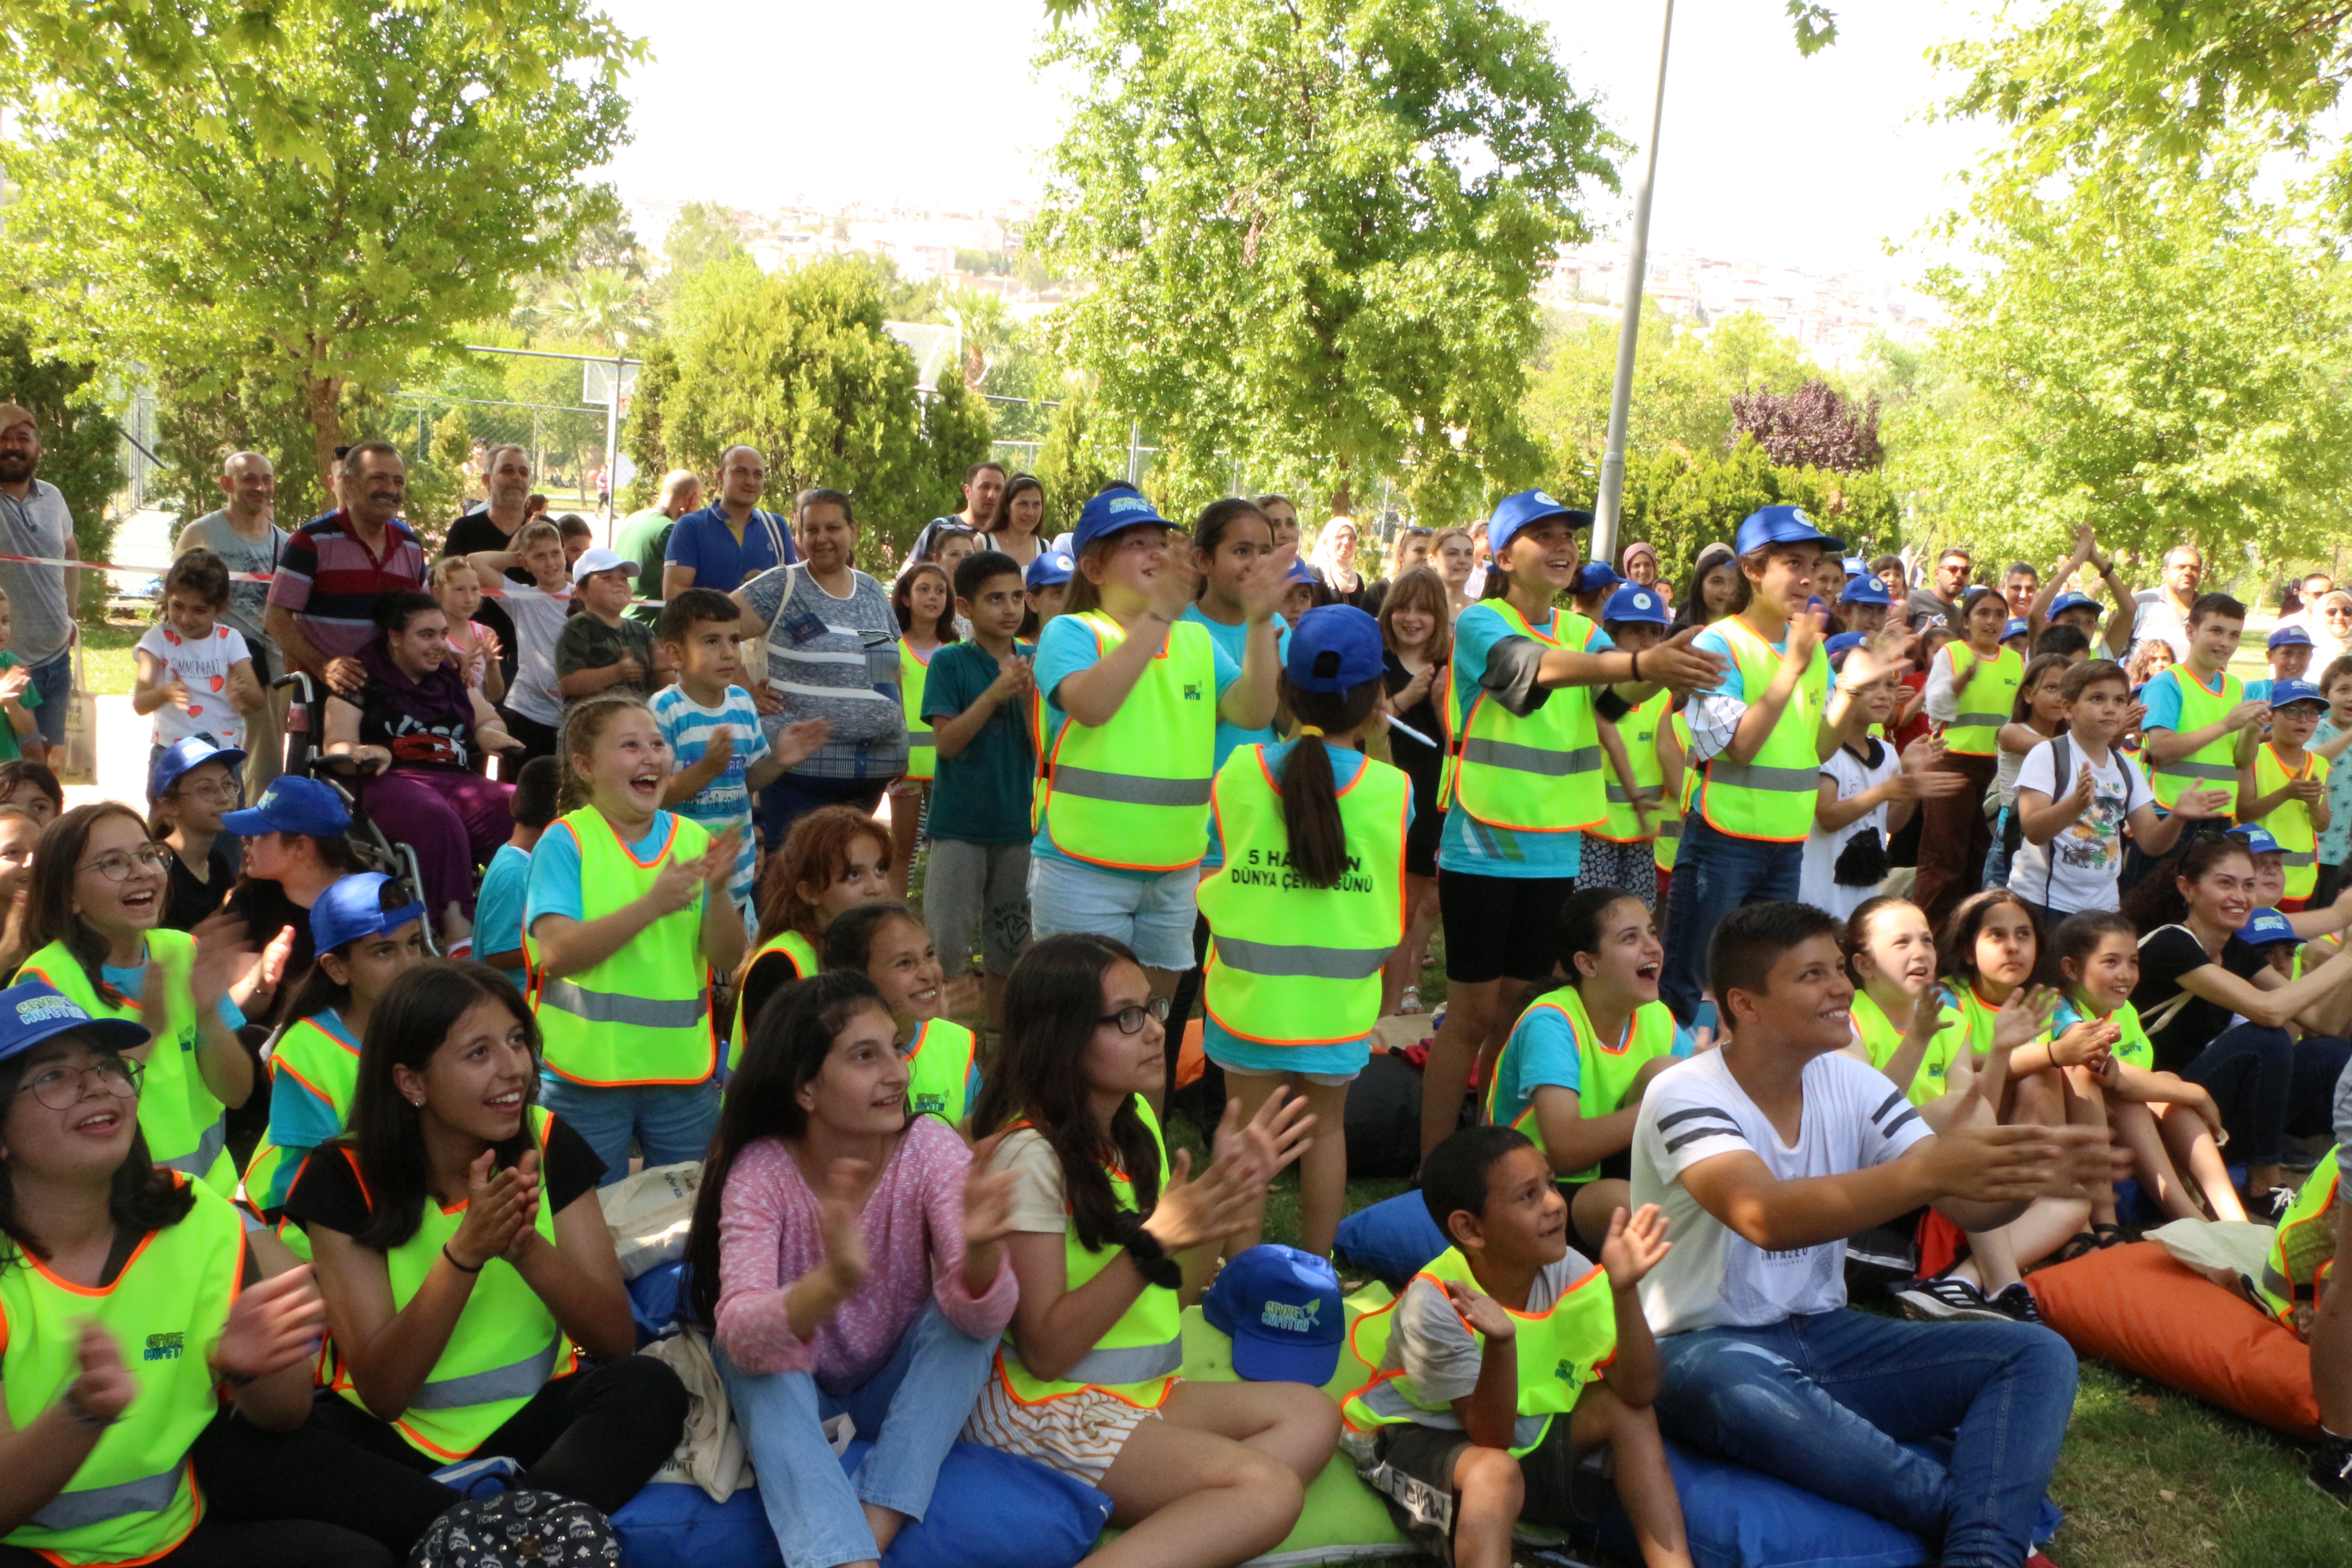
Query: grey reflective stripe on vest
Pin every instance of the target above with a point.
(2299, 858)
(1748, 776)
(1130, 1364)
(1303, 962)
(1384, 1399)
(1127, 789)
(73, 1510)
(1671, 829)
(1620, 795)
(1976, 721)
(920, 740)
(2188, 769)
(2277, 1284)
(198, 1162)
(1541, 760)
(516, 1380)
(612, 1007)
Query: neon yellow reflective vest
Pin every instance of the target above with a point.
(506, 1346)
(2212, 765)
(922, 755)
(1639, 731)
(1133, 795)
(186, 1128)
(319, 1055)
(2302, 1251)
(1291, 965)
(135, 1497)
(1987, 704)
(1138, 1359)
(1670, 830)
(2135, 1050)
(1771, 796)
(1977, 1015)
(1537, 774)
(1605, 1073)
(1882, 1039)
(1559, 1352)
(802, 953)
(940, 1068)
(643, 1015)
(2290, 820)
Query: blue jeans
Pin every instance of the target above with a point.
(1825, 1403)
(1714, 873)
(912, 1410)
(1153, 915)
(671, 1122)
(2268, 1085)
(53, 678)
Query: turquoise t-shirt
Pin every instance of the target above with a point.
(497, 907)
(1233, 642)
(1541, 1053)
(1479, 847)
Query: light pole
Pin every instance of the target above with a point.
(1629, 329)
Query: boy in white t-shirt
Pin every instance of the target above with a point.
(1766, 1154)
(534, 709)
(195, 671)
(2070, 851)
(1867, 788)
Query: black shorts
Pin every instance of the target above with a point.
(1500, 928)
(1412, 1469)
(1421, 844)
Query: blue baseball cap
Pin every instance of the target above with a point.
(2289, 637)
(1781, 525)
(293, 803)
(363, 904)
(1843, 641)
(2258, 841)
(1300, 573)
(1866, 590)
(1335, 648)
(2284, 692)
(35, 1010)
(1635, 603)
(1283, 1310)
(1051, 568)
(1514, 512)
(2267, 926)
(2016, 628)
(1595, 575)
(1855, 566)
(183, 757)
(1114, 512)
(2071, 600)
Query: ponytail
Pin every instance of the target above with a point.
(1310, 794)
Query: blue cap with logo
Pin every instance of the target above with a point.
(1855, 566)
(293, 803)
(2289, 637)
(1300, 573)
(1335, 648)
(1595, 575)
(1866, 590)
(2285, 692)
(1113, 511)
(35, 1010)
(2266, 926)
(1283, 1310)
(1781, 525)
(184, 756)
(2071, 600)
(363, 904)
(1841, 642)
(1635, 603)
(2258, 841)
(2016, 628)
(1514, 512)
(1051, 568)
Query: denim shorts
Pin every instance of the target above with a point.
(1153, 915)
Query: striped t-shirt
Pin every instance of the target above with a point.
(331, 580)
(726, 801)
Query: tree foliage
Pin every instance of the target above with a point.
(300, 197)
(1814, 426)
(1681, 502)
(1314, 230)
(1074, 462)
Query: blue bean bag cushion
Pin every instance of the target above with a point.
(1391, 1241)
(989, 1509)
(657, 1300)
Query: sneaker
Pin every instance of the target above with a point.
(1946, 1300)
(480, 1477)
(2269, 1207)
(2016, 1303)
(2331, 1469)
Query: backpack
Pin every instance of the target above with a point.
(518, 1529)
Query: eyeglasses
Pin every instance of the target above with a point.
(118, 866)
(211, 789)
(1131, 1020)
(58, 1087)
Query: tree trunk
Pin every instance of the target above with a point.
(322, 398)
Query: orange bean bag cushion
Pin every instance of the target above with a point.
(2142, 1309)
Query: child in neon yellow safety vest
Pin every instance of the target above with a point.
(625, 922)
(1509, 1359)
(1620, 851)
(1903, 1024)
(890, 944)
(2283, 787)
(1107, 1238)
(923, 600)
(834, 859)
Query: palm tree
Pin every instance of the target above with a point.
(604, 305)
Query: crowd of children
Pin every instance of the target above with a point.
(1703, 1021)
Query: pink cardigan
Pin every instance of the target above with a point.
(769, 1236)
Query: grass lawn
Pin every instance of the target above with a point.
(106, 655)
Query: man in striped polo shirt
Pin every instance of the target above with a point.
(322, 600)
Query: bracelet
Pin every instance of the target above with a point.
(83, 1416)
(1151, 1259)
(1637, 664)
(460, 1268)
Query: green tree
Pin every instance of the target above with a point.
(1314, 230)
(82, 447)
(642, 434)
(308, 196)
(702, 234)
(1074, 462)
(436, 482)
(1681, 502)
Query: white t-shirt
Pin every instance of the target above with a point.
(203, 667)
(1818, 883)
(538, 619)
(2077, 869)
(1712, 1278)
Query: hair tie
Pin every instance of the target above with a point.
(1306, 729)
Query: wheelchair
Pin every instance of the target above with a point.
(370, 846)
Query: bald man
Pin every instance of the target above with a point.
(245, 534)
(643, 536)
(726, 545)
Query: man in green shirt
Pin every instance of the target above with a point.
(643, 536)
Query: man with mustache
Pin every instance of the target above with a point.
(34, 520)
(322, 601)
